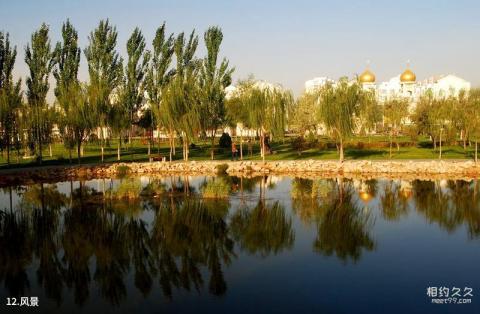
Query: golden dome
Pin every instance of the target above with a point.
(367, 77)
(408, 76)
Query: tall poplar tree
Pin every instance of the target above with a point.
(105, 72)
(214, 78)
(10, 94)
(135, 71)
(158, 77)
(70, 96)
(40, 60)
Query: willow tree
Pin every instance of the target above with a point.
(158, 76)
(300, 117)
(236, 111)
(432, 117)
(370, 112)
(40, 60)
(395, 111)
(214, 78)
(472, 111)
(105, 72)
(10, 94)
(135, 72)
(267, 107)
(338, 106)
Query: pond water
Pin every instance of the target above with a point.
(271, 244)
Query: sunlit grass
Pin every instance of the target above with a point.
(282, 150)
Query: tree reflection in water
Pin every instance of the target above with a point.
(450, 204)
(343, 229)
(102, 237)
(161, 233)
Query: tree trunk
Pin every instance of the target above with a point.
(241, 146)
(50, 149)
(476, 150)
(69, 155)
(342, 157)
(391, 143)
(171, 146)
(79, 150)
(118, 147)
(212, 146)
(39, 145)
(262, 147)
(8, 149)
(150, 135)
(440, 146)
(173, 143)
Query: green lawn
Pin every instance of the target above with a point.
(282, 151)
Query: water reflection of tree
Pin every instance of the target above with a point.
(264, 230)
(343, 229)
(16, 252)
(449, 205)
(187, 237)
(44, 202)
(393, 203)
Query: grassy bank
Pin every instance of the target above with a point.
(368, 148)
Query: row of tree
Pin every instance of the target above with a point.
(344, 109)
(185, 99)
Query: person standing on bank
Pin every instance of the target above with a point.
(234, 151)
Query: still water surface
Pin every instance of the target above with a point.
(273, 244)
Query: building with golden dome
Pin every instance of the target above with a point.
(408, 77)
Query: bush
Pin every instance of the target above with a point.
(225, 141)
(122, 171)
(221, 169)
(299, 144)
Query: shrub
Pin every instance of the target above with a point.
(122, 171)
(221, 169)
(299, 144)
(225, 141)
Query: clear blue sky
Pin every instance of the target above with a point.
(286, 42)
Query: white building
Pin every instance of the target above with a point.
(404, 85)
(317, 83)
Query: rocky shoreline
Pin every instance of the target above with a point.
(422, 169)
